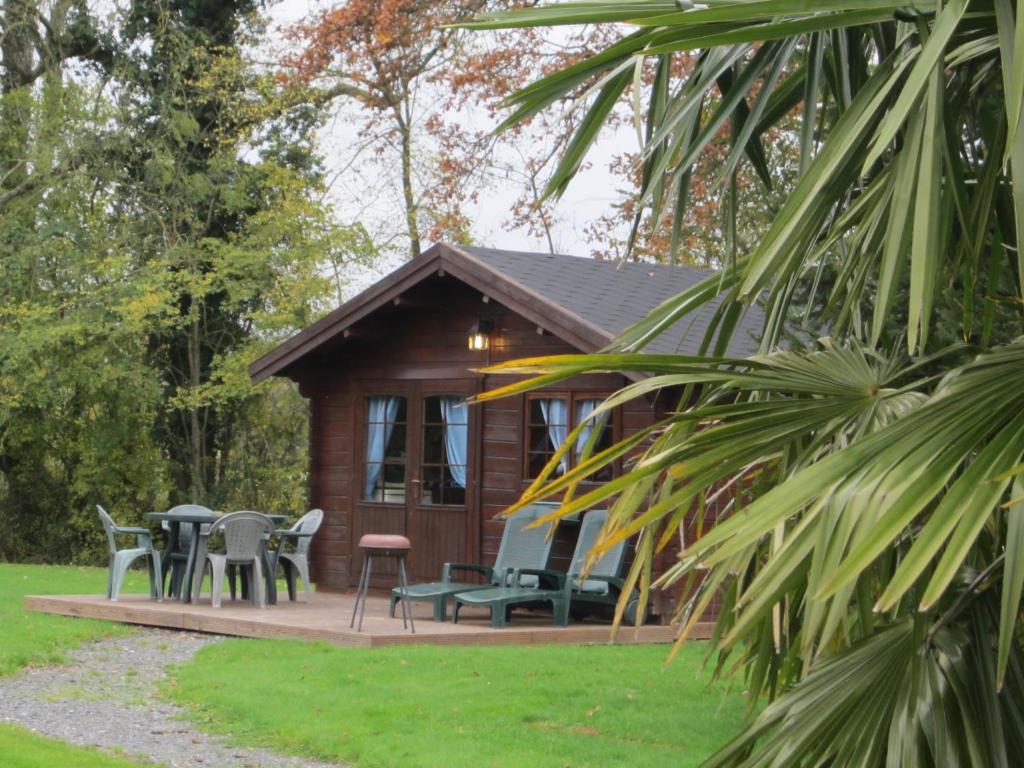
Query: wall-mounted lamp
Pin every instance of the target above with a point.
(479, 335)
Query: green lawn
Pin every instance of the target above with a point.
(421, 707)
(37, 638)
(24, 749)
(428, 707)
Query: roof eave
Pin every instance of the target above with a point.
(278, 359)
(534, 307)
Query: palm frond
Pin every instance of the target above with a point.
(868, 539)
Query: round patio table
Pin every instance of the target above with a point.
(197, 521)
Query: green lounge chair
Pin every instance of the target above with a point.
(520, 547)
(600, 591)
(565, 593)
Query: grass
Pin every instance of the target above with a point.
(32, 639)
(37, 638)
(421, 707)
(24, 749)
(437, 707)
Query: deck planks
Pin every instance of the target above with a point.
(327, 618)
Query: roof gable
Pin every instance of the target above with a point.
(582, 301)
(614, 296)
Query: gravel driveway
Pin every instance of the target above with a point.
(107, 696)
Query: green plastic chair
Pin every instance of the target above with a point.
(176, 554)
(296, 562)
(566, 593)
(121, 559)
(520, 548)
(244, 535)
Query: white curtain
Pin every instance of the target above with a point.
(583, 410)
(380, 417)
(455, 412)
(556, 412)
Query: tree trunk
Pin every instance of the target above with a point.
(539, 205)
(16, 60)
(16, 49)
(409, 195)
(195, 425)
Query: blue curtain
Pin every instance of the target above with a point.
(455, 412)
(555, 412)
(380, 416)
(583, 410)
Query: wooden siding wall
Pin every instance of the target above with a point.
(423, 338)
(504, 460)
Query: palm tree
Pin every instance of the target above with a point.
(872, 562)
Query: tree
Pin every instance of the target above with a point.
(174, 230)
(36, 40)
(873, 562)
(428, 95)
(225, 191)
(381, 55)
(77, 401)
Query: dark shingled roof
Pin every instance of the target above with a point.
(613, 296)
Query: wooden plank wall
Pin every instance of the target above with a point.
(332, 415)
(424, 338)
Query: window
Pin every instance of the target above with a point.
(445, 442)
(385, 449)
(547, 427)
(584, 406)
(548, 424)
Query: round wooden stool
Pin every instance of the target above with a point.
(383, 545)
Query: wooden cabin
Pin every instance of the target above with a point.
(394, 448)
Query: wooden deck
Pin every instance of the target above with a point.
(327, 618)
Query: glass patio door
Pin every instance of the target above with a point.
(415, 473)
(441, 488)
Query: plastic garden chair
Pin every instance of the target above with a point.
(563, 592)
(244, 536)
(121, 559)
(296, 562)
(176, 555)
(521, 547)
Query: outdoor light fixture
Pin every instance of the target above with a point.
(479, 335)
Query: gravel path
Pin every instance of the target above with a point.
(107, 696)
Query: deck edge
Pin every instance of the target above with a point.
(168, 617)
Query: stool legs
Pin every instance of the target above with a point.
(364, 587)
(403, 586)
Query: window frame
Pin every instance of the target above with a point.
(572, 397)
(363, 463)
(421, 459)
